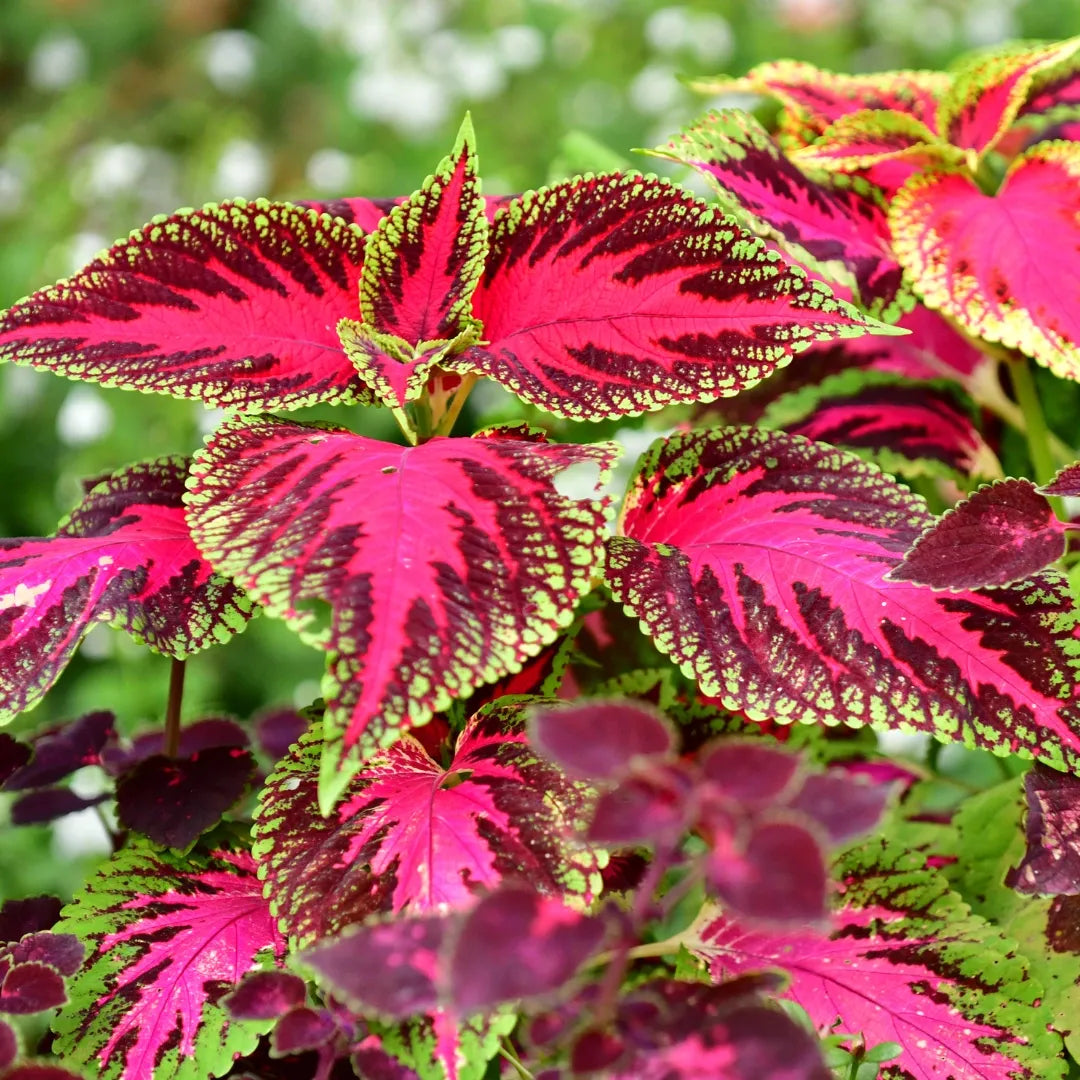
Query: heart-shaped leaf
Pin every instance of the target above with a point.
(123, 555)
(446, 565)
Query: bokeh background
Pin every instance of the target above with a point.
(112, 111)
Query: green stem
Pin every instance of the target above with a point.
(405, 424)
(446, 424)
(172, 709)
(506, 1053)
(1038, 434)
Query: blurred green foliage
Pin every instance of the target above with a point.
(114, 110)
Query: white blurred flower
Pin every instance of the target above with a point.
(242, 169)
(84, 417)
(229, 57)
(408, 98)
(654, 89)
(83, 247)
(114, 168)
(57, 61)
(329, 170)
(519, 48)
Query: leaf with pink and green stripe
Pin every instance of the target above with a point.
(123, 556)
(906, 963)
(445, 565)
(235, 304)
(758, 562)
(414, 835)
(982, 260)
(609, 296)
(842, 233)
(167, 937)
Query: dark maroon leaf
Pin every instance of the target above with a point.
(202, 735)
(1051, 864)
(780, 875)
(37, 807)
(9, 1044)
(40, 1070)
(1066, 482)
(390, 968)
(302, 1029)
(30, 988)
(748, 772)
(1004, 532)
(61, 951)
(13, 756)
(59, 754)
(843, 806)
(596, 1050)
(600, 740)
(265, 995)
(277, 730)
(19, 917)
(643, 809)
(174, 801)
(518, 944)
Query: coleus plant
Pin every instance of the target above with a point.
(592, 788)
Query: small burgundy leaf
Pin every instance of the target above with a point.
(61, 951)
(645, 809)
(41, 1070)
(1051, 863)
(748, 772)
(302, 1029)
(9, 1045)
(517, 944)
(60, 753)
(48, 804)
(265, 995)
(1066, 482)
(277, 730)
(174, 800)
(13, 756)
(32, 987)
(601, 740)
(1001, 534)
(19, 917)
(118, 757)
(842, 805)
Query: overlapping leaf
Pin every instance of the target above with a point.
(907, 963)
(614, 295)
(446, 564)
(1051, 863)
(414, 836)
(841, 232)
(168, 937)
(757, 562)
(123, 556)
(235, 304)
(984, 261)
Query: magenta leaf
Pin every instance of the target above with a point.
(174, 801)
(234, 304)
(758, 562)
(841, 232)
(168, 938)
(265, 995)
(999, 535)
(750, 772)
(517, 944)
(413, 835)
(9, 1045)
(57, 754)
(123, 555)
(302, 1029)
(1066, 482)
(446, 564)
(654, 808)
(21, 917)
(1051, 863)
(31, 987)
(365, 213)
(906, 963)
(615, 295)
(601, 740)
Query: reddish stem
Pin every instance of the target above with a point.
(172, 710)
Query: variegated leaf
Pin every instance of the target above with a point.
(168, 937)
(842, 233)
(235, 304)
(614, 295)
(907, 963)
(446, 565)
(416, 836)
(124, 556)
(984, 261)
(758, 562)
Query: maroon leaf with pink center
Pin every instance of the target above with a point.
(413, 835)
(652, 808)
(57, 754)
(168, 937)
(123, 555)
(236, 305)
(30, 988)
(445, 565)
(758, 562)
(614, 295)
(1051, 863)
(602, 740)
(174, 801)
(841, 232)
(907, 963)
(1001, 534)
(976, 259)
(266, 995)
(1066, 482)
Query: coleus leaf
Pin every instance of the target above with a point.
(63, 952)
(169, 936)
(1051, 863)
(31, 987)
(57, 754)
(907, 963)
(124, 556)
(842, 232)
(235, 304)
(47, 804)
(9, 1045)
(13, 756)
(434, 1047)
(758, 562)
(120, 755)
(1066, 482)
(266, 995)
(970, 255)
(446, 564)
(412, 835)
(20, 917)
(1000, 534)
(614, 295)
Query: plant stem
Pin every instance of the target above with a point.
(172, 710)
(506, 1053)
(1036, 431)
(405, 424)
(449, 418)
